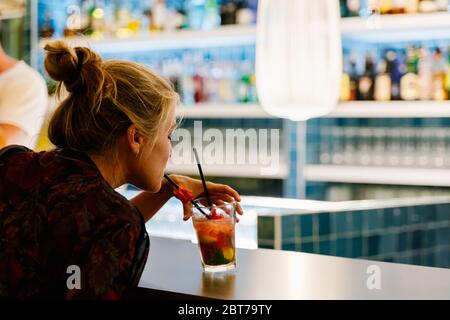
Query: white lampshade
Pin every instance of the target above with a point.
(298, 57)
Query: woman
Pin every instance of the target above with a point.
(59, 210)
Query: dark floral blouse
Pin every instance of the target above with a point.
(57, 212)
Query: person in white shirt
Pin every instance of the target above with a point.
(23, 102)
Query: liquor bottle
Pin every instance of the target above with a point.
(385, 6)
(226, 84)
(344, 94)
(244, 15)
(212, 16)
(409, 83)
(439, 70)
(199, 88)
(73, 21)
(343, 8)
(47, 29)
(442, 5)
(245, 82)
(196, 13)
(158, 17)
(253, 96)
(97, 18)
(412, 6)
(427, 6)
(182, 20)
(448, 74)
(134, 23)
(382, 82)
(353, 8)
(122, 19)
(398, 7)
(425, 76)
(228, 13)
(187, 82)
(353, 79)
(366, 81)
(253, 5)
(395, 69)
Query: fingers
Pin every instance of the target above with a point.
(239, 209)
(187, 211)
(224, 189)
(217, 199)
(223, 197)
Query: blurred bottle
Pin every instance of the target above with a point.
(136, 18)
(442, 5)
(158, 17)
(345, 87)
(439, 71)
(48, 28)
(253, 5)
(227, 92)
(427, 6)
(393, 68)
(244, 15)
(353, 79)
(350, 145)
(425, 76)
(353, 8)
(122, 20)
(383, 82)
(343, 8)
(409, 84)
(338, 146)
(73, 21)
(199, 88)
(448, 73)
(228, 12)
(196, 13)
(212, 16)
(187, 82)
(325, 145)
(245, 82)
(412, 6)
(379, 147)
(386, 6)
(398, 7)
(97, 18)
(366, 81)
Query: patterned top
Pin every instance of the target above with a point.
(64, 232)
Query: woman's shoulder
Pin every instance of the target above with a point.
(11, 149)
(106, 202)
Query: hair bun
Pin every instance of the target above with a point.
(72, 66)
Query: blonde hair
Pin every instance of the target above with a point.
(104, 99)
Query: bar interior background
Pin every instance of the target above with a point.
(388, 137)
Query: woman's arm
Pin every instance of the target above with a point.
(10, 134)
(149, 203)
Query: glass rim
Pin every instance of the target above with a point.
(197, 201)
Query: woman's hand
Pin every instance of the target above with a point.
(218, 193)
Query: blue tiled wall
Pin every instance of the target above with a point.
(417, 235)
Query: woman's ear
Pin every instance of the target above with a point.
(134, 139)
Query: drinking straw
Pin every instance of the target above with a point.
(205, 189)
(192, 201)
